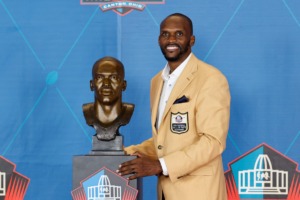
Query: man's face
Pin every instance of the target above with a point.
(175, 39)
(108, 82)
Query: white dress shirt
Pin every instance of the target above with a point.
(169, 82)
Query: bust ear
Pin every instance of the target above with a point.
(92, 85)
(124, 85)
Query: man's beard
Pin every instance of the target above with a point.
(178, 56)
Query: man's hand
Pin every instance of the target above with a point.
(140, 167)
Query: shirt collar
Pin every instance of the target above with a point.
(176, 73)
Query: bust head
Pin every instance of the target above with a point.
(108, 81)
(108, 112)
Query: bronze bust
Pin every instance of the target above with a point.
(108, 112)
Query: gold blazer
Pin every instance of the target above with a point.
(192, 134)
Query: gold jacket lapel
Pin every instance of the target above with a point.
(156, 87)
(182, 82)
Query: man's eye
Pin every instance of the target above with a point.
(179, 34)
(165, 35)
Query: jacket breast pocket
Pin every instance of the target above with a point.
(181, 107)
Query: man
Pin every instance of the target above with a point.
(108, 112)
(190, 104)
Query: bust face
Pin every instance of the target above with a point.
(108, 81)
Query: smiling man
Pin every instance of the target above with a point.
(108, 112)
(190, 104)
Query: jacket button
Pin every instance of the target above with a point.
(160, 147)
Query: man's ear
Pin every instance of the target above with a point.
(124, 85)
(92, 85)
(193, 40)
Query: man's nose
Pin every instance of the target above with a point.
(172, 38)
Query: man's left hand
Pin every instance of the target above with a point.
(140, 167)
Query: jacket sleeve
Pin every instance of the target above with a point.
(146, 148)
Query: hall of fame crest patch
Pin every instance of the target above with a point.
(121, 7)
(179, 122)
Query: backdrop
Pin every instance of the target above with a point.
(47, 49)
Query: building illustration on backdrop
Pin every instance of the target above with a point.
(263, 179)
(13, 185)
(2, 183)
(263, 173)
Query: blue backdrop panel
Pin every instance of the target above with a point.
(47, 49)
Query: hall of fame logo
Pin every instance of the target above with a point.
(104, 185)
(263, 173)
(121, 7)
(179, 122)
(13, 185)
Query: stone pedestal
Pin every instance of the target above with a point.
(94, 175)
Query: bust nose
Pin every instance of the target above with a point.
(106, 81)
